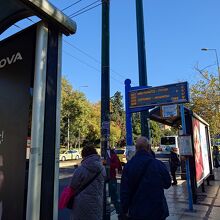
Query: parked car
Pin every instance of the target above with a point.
(70, 155)
(121, 155)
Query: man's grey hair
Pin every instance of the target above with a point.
(143, 143)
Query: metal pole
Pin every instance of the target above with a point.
(218, 77)
(105, 101)
(128, 114)
(57, 151)
(217, 66)
(145, 128)
(188, 179)
(216, 55)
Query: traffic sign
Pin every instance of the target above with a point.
(160, 95)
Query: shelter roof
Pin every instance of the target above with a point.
(12, 11)
(155, 115)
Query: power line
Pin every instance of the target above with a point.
(85, 63)
(80, 11)
(17, 26)
(92, 67)
(94, 59)
(86, 10)
(71, 5)
(83, 52)
(31, 20)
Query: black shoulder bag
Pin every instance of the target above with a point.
(144, 169)
(141, 177)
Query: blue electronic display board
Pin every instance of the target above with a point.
(160, 95)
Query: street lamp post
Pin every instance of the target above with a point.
(217, 62)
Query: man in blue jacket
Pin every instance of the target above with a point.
(144, 179)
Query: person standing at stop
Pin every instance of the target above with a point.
(88, 183)
(143, 181)
(115, 165)
(174, 164)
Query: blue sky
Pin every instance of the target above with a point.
(175, 32)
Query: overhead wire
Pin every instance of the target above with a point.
(17, 26)
(30, 20)
(83, 62)
(95, 60)
(80, 50)
(86, 10)
(71, 5)
(92, 67)
(79, 12)
(83, 52)
(82, 10)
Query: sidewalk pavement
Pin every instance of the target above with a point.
(208, 206)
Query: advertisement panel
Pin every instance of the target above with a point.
(16, 71)
(200, 151)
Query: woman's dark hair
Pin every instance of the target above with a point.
(88, 150)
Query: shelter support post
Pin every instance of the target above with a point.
(42, 165)
(37, 130)
(188, 179)
(49, 159)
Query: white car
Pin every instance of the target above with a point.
(70, 155)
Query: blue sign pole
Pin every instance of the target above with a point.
(187, 161)
(129, 138)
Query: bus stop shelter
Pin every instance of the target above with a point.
(201, 165)
(30, 88)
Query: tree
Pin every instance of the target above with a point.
(93, 135)
(117, 117)
(136, 125)
(205, 98)
(155, 130)
(66, 99)
(169, 132)
(76, 109)
(84, 118)
(156, 133)
(115, 134)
